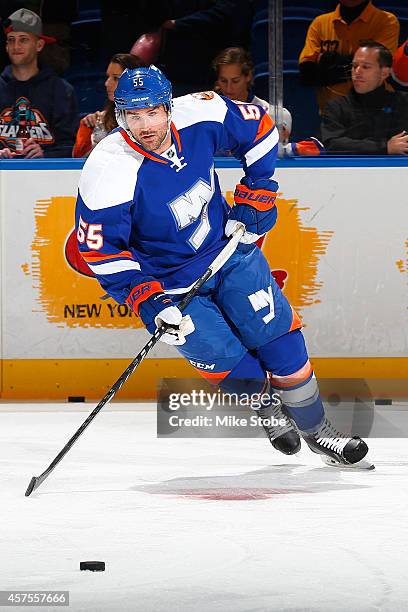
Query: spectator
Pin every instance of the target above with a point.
(370, 120)
(234, 72)
(96, 126)
(333, 38)
(399, 70)
(233, 69)
(56, 19)
(46, 102)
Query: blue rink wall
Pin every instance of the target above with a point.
(339, 252)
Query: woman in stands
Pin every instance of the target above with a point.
(96, 126)
(234, 72)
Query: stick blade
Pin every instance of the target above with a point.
(32, 486)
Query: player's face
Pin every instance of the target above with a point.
(149, 127)
(366, 72)
(232, 83)
(113, 73)
(23, 47)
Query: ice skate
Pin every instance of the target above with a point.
(337, 449)
(283, 436)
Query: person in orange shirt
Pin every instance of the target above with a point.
(399, 70)
(95, 126)
(332, 40)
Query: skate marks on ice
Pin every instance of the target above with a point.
(264, 483)
(373, 566)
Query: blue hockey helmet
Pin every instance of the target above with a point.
(142, 88)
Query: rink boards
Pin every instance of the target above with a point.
(339, 252)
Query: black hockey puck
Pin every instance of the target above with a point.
(93, 566)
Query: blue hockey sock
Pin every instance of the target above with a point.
(292, 377)
(247, 376)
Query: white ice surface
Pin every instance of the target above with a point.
(196, 525)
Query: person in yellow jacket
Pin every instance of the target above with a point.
(333, 38)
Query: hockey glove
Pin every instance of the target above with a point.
(312, 146)
(334, 68)
(254, 207)
(155, 308)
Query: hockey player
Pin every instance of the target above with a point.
(150, 218)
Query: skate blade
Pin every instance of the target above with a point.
(363, 464)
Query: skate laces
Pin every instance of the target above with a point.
(329, 437)
(274, 412)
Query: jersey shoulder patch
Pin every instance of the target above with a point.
(203, 95)
(198, 107)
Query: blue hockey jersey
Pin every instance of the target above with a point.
(143, 216)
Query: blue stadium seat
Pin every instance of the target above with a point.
(89, 9)
(404, 29)
(89, 87)
(261, 80)
(259, 6)
(300, 101)
(401, 11)
(259, 41)
(86, 40)
(325, 6)
(294, 35)
(393, 6)
(296, 22)
(306, 12)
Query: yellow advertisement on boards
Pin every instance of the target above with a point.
(69, 295)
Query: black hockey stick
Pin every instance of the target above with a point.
(218, 262)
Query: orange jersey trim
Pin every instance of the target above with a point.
(176, 136)
(136, 147)
(261, 199)
(290, 380)
(90, 256)
(214, 377)
(296, 322)
(265, 125)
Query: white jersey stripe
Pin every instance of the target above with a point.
(181, 290)
(262, 148)
(115, 266)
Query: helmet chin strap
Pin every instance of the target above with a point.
(121, 120)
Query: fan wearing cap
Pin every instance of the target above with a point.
(28, 91)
